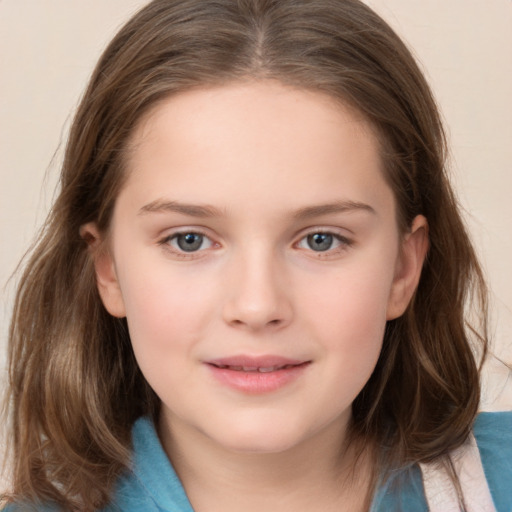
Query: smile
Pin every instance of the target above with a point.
(258, 375)
(259, 369)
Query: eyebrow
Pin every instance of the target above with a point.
(206, 211)
(191, 210)
(329, 208)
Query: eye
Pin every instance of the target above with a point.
(189, 242)
(323, 241)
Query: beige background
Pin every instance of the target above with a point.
(48, 49)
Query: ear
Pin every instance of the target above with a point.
(106, 277)
(413, 251)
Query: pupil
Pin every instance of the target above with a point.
(320, 241)
(190, 242)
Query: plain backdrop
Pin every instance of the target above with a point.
(49, 47)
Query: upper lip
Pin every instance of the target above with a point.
(255, 362)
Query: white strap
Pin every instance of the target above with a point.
(440, 491)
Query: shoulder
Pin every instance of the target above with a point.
(404, 489)
(152, 484)
(493, 434)
(493, 426)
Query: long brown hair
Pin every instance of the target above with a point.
(75, 387)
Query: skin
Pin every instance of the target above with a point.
(258, 153)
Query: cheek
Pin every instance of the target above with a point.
(166, 314)
(353, 337)
(349, 312)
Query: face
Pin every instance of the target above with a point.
(255, 252)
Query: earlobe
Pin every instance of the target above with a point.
(106, 276)
(413, 251)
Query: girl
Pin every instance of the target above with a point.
(251, 291)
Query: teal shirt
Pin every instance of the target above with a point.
(493, 434)
(153, 486)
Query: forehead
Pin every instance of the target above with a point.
(266, 103)
(258, 142)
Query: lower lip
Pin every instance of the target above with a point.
(258, 382)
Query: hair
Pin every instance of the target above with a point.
(75, 389)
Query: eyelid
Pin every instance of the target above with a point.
(164, 242)
(345, 241)
(338, 232)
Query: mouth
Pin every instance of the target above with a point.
(260, 369)
(257, 375)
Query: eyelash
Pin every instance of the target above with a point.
(344, 243)
(166, 243)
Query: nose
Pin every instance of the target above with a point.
(257, 296)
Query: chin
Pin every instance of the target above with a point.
(268, 439)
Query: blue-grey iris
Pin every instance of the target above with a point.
(189, 242)
(320, 241)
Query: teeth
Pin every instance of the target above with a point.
(259, 369)
(267, 370)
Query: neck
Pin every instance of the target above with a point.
(318, 474)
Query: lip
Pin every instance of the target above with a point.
(257, 375)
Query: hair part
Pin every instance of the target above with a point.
(75, 387)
